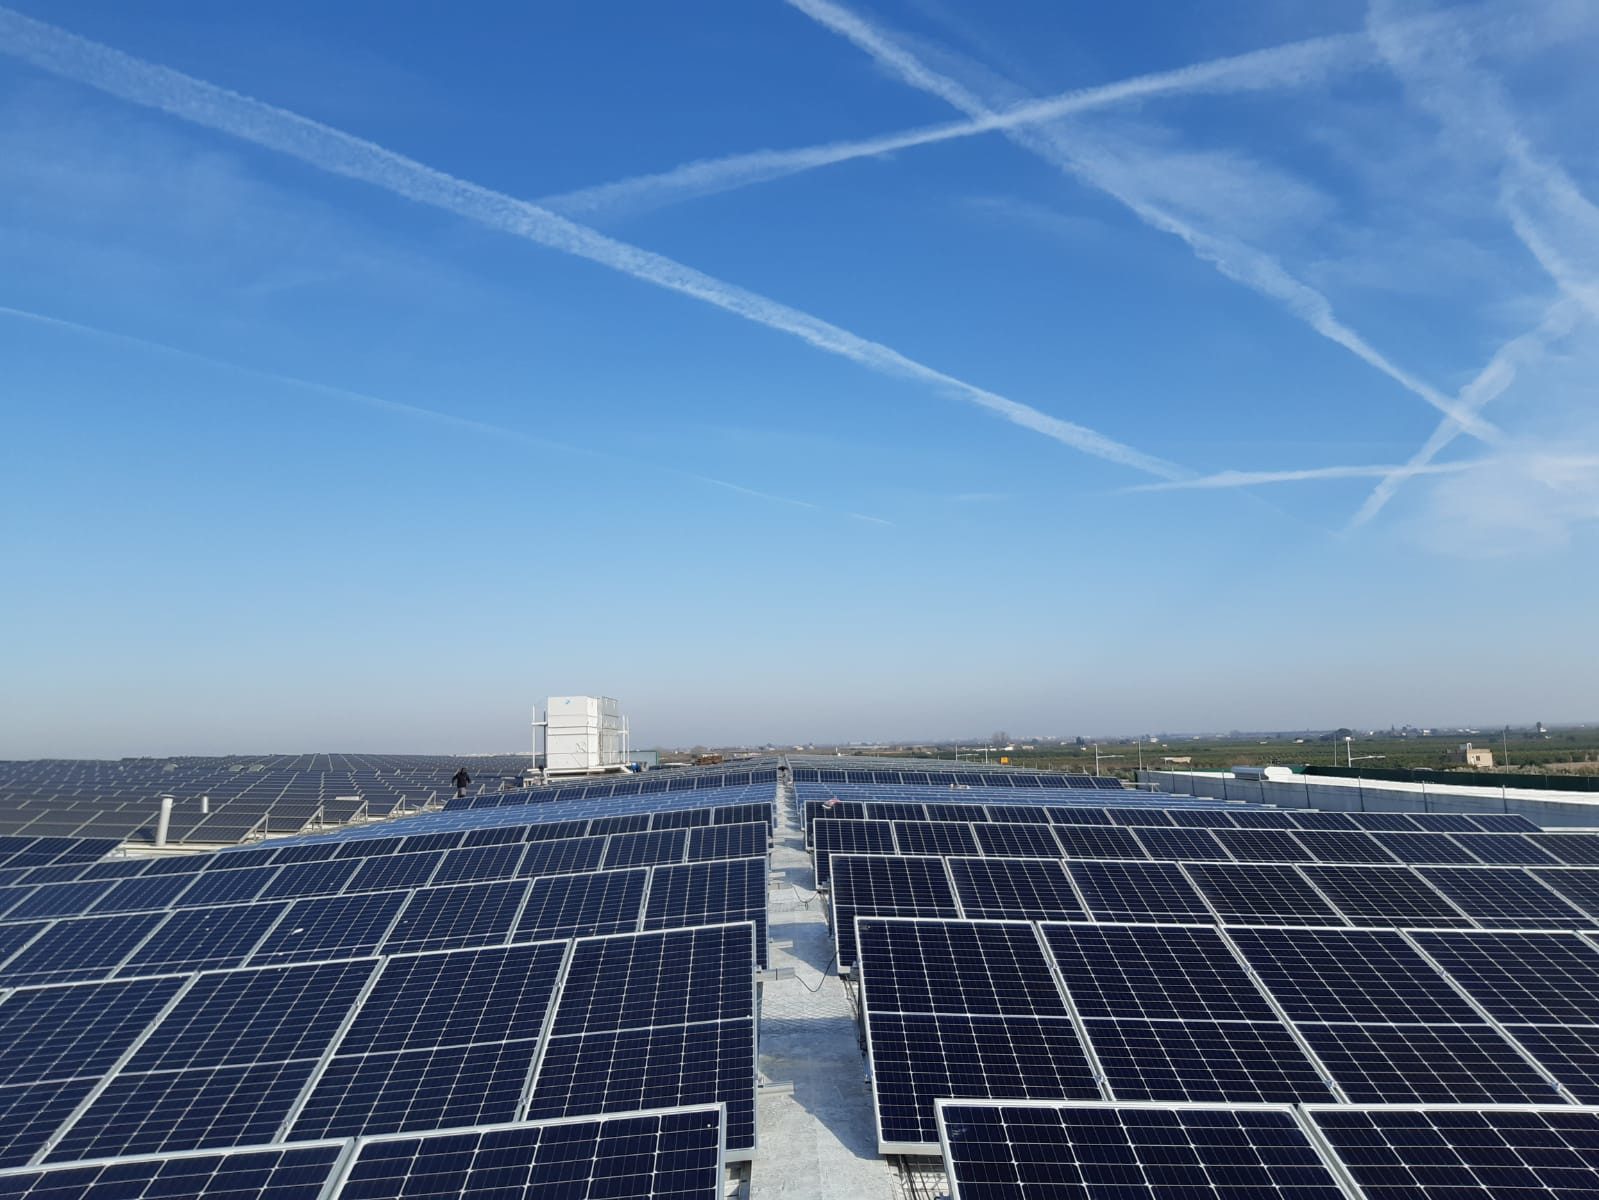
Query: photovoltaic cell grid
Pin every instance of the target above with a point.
(673, 1155)
(1004, 1151)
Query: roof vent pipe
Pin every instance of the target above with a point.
(205, 804)
(164, 820)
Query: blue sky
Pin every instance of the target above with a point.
(793, 370)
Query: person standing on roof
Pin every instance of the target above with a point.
(460, 780)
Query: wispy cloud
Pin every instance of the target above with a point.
(1291, 65)
(1490, 383)
(343, 154)
(418, 412)
(1239, 479)
(1106, 166)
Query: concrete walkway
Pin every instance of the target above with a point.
(820, 1141)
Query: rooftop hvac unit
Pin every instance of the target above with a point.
(583, 735)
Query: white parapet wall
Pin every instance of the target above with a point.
(1336, 794)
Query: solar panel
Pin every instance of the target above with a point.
(1204, 818)
(1579, 850)
(1263, 818)
(564, 856)
(564, 906)
(1157, 972)
(1193, 1060)
(259, 1015)
(142, 895)
(1261, 893)
(668, 1156)
(193, 939)
(324, 878)
(919, 1058)
(1091, 842)
(394, 871)
(1505, 823)
(1008, 1151)
(963, 967)
(1534, 977)
(1509, 849)
(457, 999)
(1568, 1052)
(674, 977)
(330, 927)
(1384, 896)
(1392, 822)
(1309, 819)
(1345, 846)
(31, 1113)
(1424, 847)
(78, 1030)
(645, 849)
(476, 864)
(226, 887)
(1581, 887)
(868, 885)
(428, 1088)
(87, 948)
(855, 837)
(1117, 891)
(686, 818)
(1076, 815)
(1445, 822)
(1196, 845)
(1506, 897)
(934, 837)
(1015, 814)
(465, 914)
(631, 1069)
(727, 841)
(1263, 845)
(57, 900)
(1038, 889)
(709, 893)
(280, 1173)
(1463, 1064)
(1454, 1154)
(1350, 975)
(1015, 841)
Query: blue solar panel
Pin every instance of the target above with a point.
(867, 885)
(964, 967)
(1259, 892)
(667, 1157)
(431, 1088)
(645, 849)
(1263, 845)
(284, 1173)
(1350, 975)
(457, 999)
(478, 863)
(670, 978)
(394, 871)
(142, 895)
(710, 893)
(1092, 842)
(727, 841)
(850, 836)
(185, 1110)
(1191, 1060)
(1579, 886)
(934, 837)
(86, 948)
(562, 856)
(1451, 1154)
(1135, 891)
(1568, 1052)
(466, 914)
(78, 1030)
(1015, 841)
(58, 900)
(330, 927)
(226, 887)
(919, 1058)
(633, 1069)
(31, 1113)
(1509, 849)
(1538, 977)
(1504, 897)
(1458, 1064)
(1000, 1151)
(1038, 889)
(576, 905)
(258, 1015)
(1193, 845)
(325, 878)
(1384, 896)
(1157, 972)
(193, 939)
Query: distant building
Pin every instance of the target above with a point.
(1180, 759)
(1473, 756)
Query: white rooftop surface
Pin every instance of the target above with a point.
(819, 1141)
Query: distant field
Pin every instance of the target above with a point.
(1570, 751)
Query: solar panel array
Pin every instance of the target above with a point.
(245, 796)
(430, 1012)
(1206, 962)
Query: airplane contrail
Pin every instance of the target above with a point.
(432, 415)
(1241, 263)
(1238, 479)
(1289, 64)
(1490, 383)
(138, 82)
